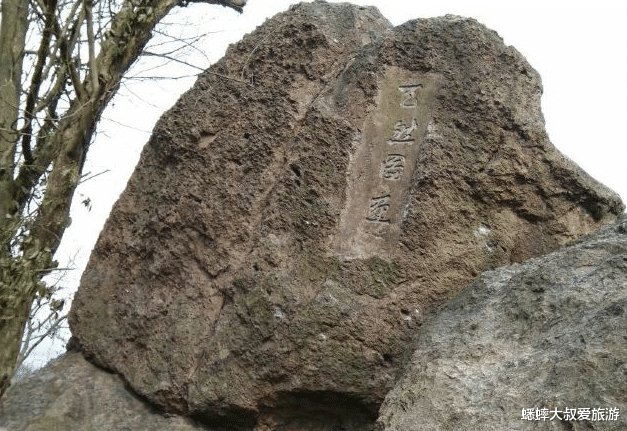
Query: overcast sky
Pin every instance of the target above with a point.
(578, 47)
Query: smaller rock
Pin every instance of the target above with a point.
(70, 394)
(546, 334)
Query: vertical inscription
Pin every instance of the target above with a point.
(382, 164)
(394, 164)
(409, 98)
(378, 210)
(392, 167)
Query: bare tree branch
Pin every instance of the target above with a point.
(36, 81)
(13, 29)
(91, 42)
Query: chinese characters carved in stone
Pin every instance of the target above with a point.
(392, 167)
(379, 206)
(403, 133)
(409, 99)
(402, 139)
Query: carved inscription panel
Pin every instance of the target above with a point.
(383, 164)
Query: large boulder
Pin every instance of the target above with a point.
(526, 347)
(71, 394)
(313, 196)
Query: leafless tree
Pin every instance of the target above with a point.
(61, 62)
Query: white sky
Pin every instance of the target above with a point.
(579, 49)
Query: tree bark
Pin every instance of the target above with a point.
(13, 28)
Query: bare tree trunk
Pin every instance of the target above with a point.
(13, 30)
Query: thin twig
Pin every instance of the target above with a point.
(93, 176)
(198, 68)
(54, 327)
(91, 44)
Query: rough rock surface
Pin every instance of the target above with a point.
(73, 395)
(549, 333)
(315, 194)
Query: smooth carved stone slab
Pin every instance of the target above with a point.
(546, 334)
(282, 238)
(382, 167)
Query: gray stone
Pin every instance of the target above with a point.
(313, 196)
(71, 394)
(549, 333)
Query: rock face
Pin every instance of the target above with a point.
(308, 201)
(73, 395)
(549, 333)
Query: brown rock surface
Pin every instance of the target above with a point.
(71, 394)
(282, 238)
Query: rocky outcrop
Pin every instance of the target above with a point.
(301, 209)
(546, 334)
(73, 395)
